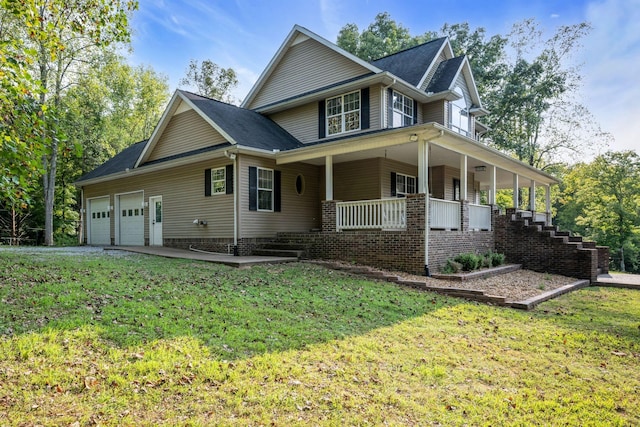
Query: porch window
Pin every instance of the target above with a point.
(405, 184)
(265, 189)
(343, 113)
(218, 180)
(402, 110)
(456, 189)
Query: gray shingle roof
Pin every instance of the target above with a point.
(445, 75)
(246, 127)
(126, 159)
(411, 64)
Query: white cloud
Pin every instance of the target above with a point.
(612, 61)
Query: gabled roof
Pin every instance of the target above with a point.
(412, 64)
(237, 125)
(126, 159)
(294, 34)
(445, 75)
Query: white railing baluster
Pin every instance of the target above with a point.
(386, 214)
(479, 217)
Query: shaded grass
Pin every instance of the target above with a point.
(349, 352)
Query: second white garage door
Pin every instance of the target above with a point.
(99, 222)
(131, 219)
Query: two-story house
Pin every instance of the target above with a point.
(376, 162)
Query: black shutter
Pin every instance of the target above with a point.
(364, 108)
(228, 174)
(393, 184)
(277, 193)
(415, 112)
(390, 108)
(322, 118)
(207, 182)
(253, 188)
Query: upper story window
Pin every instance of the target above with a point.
(459, 114)
(402, 110)
(343, 113)
(218, 181)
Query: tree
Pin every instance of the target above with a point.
(603, 199)
(63, 36)
(210, 80)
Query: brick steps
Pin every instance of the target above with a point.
(281, 249)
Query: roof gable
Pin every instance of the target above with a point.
(413, 64)
(304, 62)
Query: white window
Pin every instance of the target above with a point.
(265, 189)
(405, 184)
(459, 115)
(402, 110)
(218, 181)
(343, 113)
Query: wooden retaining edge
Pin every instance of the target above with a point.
(617, 285)
(533, 301)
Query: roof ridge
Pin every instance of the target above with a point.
(409, 48)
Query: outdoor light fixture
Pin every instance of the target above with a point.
(480, 168)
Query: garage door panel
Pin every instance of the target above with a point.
(131, 219)
(99, 221)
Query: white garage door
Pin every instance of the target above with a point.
(99, 222)
(131, 219)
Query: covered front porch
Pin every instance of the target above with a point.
(369, 177)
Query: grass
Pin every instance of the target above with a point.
(138, 340)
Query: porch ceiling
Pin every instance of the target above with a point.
(445, 148)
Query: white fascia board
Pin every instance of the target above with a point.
(466, 69)
(208, 120)
(297, 29)
(162, 123)
(448, 52)
(460, 144)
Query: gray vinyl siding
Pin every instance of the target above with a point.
(298, 212)
(441, 182)
(306, 66)
(388, 166)
(302, 122)
(183, 200)
(357, 180)
(433, 69)
(185, 132)
(434, 112)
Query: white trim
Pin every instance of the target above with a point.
(288, 42)
(224, 180)
(343, 113)
(448, 53)
(152, 215)
(258, 189)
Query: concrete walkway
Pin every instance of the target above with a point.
(619, 280)
(230, 260)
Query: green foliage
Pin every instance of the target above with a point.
(145, 341)
(451, 267)
(600, 201)
(210, 80)
(469, 261)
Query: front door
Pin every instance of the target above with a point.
(155, 221)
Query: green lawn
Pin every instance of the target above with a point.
(138, 340)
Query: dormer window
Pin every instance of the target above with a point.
(343, 113)
(459, 114)
(402, 110)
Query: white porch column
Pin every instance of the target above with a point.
(547, 197)
(463, 177)
(532, 196)
(423, 187)
(328, 177)
(516, 187)
(492, 185)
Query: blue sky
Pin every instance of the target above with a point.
(245, 34)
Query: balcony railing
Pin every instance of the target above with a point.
(444, 214)
(385, 214)
(479, 217)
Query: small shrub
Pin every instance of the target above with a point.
(469, 261)
(451, 267)
(496, 258)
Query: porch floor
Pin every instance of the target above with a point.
(230, 260)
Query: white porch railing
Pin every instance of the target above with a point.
(386, 214)
(444, 214)
(479, 217)
(541, 217)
